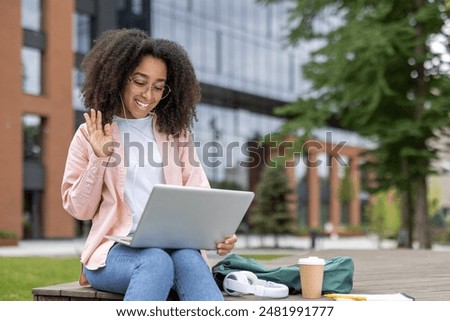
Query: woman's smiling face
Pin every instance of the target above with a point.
(145, 87)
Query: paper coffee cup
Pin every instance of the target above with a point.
(311, 276)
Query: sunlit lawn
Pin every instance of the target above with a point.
(19, 275)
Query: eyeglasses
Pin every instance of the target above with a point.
(159, 90)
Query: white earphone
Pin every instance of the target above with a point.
(246, 282)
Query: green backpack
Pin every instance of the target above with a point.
(337, 277)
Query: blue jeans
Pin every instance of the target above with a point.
(149, 274)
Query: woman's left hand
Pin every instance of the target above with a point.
(225, 247)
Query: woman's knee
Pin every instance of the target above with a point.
(156, 258)
(188, 257)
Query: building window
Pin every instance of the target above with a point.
(82, 42)
(82, 37)
(33, 46)
(31, 15)
(77, 81)
(133, 14)
(33, 175)
(31, 71)
(136, 7)
(33, 130)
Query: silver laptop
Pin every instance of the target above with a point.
(188, 217)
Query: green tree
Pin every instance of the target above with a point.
(270, 213)
(384, 214)
(380, 74)
(346, 189)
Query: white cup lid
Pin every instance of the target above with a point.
(312, 260)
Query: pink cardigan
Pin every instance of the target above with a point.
(93, 187)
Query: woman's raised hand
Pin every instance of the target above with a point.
(99, 136)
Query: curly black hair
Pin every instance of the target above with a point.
(113, 58)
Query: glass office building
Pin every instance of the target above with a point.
(234, 44)
(237, 49)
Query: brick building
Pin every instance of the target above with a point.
(36, 178)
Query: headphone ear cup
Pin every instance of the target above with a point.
(236, 284)
(251, 277)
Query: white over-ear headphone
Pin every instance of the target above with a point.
(246, 282)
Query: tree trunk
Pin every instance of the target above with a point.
(407, 214)
(405, 234)
(419, 181)
(410, 217)
(421, 213)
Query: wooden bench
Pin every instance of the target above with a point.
(72, 292)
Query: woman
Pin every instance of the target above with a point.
(142, 94)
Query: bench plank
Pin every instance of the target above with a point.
(72, 291)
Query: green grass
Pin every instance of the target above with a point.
(19, 275)
(263, 257)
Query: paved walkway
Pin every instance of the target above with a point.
(70, 247)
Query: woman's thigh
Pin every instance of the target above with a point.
(151, 267)
(193, 278)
